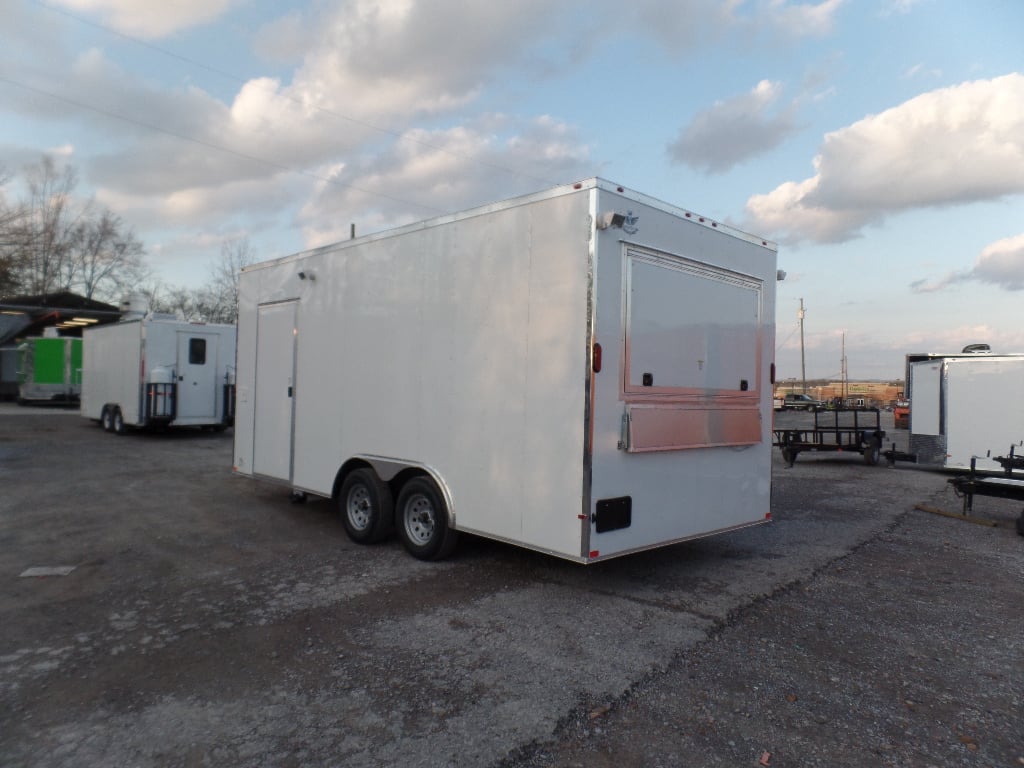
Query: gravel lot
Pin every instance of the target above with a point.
(208, 621)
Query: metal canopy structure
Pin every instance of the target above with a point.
(22, 316)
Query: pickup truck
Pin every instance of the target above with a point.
(794, 402)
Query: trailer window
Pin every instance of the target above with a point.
(197, 351)
(691, 328)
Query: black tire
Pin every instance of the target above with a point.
(872, 451)
(366, 507)
(117, 423)
(107, 418)
(421, 517)
(788, 456)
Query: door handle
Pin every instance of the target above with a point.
(289, 391)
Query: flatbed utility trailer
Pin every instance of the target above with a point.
(584, 371)
(970, 485)
(1011, 461)
(850, 430)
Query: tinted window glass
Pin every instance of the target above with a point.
(197, 351)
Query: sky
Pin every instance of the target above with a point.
(880, 143)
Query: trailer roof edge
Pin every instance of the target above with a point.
(557, 191)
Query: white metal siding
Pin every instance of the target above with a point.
(678, 494)
(925, 392)
(111, 360)
(984, 410)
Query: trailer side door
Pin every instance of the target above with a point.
(198, 390)
(274, 411)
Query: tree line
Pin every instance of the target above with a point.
(52, 241)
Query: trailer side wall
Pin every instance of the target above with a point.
(111, 367)
(460, 347)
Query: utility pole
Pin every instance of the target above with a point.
(803, 368)
(843, 367)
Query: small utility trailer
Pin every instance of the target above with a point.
(852, 430)
(972, 484)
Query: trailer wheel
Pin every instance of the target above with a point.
(366, 507)
(422, 520)
(872, 451)
(107, 418)
(788, 456)
(117, 423)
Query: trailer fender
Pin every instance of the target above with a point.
(396, 472)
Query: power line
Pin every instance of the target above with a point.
(783, 343)
(241, 80)
(211, 145)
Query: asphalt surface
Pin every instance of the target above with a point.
(207, 621)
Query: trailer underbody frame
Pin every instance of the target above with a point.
(972, 484)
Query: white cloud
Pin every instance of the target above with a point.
(1002, 263)
(686, 24)
(899, 7)
(427, 173)
(375, 60)
(804, 19)
(734, 130)
(920, 70)
(1001, 339)
(148, 19)
(364, 72)
(954, 145)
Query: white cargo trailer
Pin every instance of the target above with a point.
(154, 371)
(963, 407)
(584, 371)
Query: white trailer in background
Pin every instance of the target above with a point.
(585, 371)
(155, 371)
(963, 407)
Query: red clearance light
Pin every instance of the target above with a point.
(619, 189)
(577, 185)
(767, 515)
(597, 358)
(594, 553)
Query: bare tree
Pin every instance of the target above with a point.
(44, 235)
(106, 257)
(56, 242)
(214, 302)
(180, 301)
(220, 296)
(10, 218)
